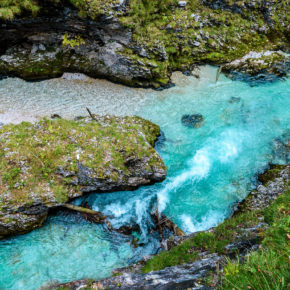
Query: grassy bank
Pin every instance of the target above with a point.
(267, 268)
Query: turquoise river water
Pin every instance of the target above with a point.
(209, 169)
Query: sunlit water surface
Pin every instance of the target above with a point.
(209, 169)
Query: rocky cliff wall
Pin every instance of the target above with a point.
(141, 46)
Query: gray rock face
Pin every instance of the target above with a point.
(21, 223)
(268, 191)
(178, 277)
(34, 49)
(137, 176)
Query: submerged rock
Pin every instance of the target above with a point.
(46, 164)
(160, 143)
(234, 100)
(192, 121)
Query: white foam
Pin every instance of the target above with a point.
(230, 144)
(187, 223)
(212, 219)
(200, 166)
(117, 209)
(222, 149)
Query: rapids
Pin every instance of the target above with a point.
(209, 168)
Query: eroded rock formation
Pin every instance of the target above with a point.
(46, 164)
(117, 43)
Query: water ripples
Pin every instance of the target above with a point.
(209, 168)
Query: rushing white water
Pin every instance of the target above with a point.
(209, 168)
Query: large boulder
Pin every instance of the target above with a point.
(46, 164)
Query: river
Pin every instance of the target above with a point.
(209, 168)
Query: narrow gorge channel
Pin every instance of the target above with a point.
(210, 168)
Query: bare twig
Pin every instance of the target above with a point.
(91, 115)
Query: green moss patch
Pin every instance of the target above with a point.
(40, 162)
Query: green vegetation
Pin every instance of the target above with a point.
(174, 38)
(32, 154)
(270, 174)
(93, 8)
(225, 35)
(212, 241)
(266, 268)
(10, 8)
(77, 40)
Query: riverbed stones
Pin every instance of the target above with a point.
(273, 183)
(234, 100)
(48, 163)
(192, 121)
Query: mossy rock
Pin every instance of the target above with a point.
(271, 173)
(263, 196)
(50, 162)
(152, 39)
